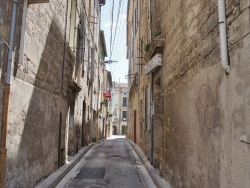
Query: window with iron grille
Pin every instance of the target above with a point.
(124, 101)
(124, 115)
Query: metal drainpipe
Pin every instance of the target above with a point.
(223, 36)
(6, 94)
(11, 40)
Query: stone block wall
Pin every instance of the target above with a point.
(204, 109)
(40, 96)
(36, 101)
(201, 132)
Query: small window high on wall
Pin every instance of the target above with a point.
(124, 101)
(124, 115)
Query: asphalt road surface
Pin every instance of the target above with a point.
(112, 164)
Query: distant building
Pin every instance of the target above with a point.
(120, 108)
(106, 104)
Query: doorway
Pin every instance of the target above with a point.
(123, 130)
(135, 126)
(59, 140)
(114, 130)
(71, 131)
(83, 122)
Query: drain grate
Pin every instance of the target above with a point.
(91, 173)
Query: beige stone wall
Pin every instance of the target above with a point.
(36, 101)
(202, 134)
(41, 98)
(201, 131)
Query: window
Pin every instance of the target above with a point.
(72, 23)
(115, 112)
(88, 113)
(135, 21)
(92, 53)
(124, 101)
(124, 115)
(89, 60)
(82, 44)
(149, 21)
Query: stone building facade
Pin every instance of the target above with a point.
(107, 101)
(120, 108)
(56, 71)
(187, 114)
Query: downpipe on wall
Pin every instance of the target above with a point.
(223, 36)
(6, 94)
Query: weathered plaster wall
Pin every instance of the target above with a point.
(205, 110)
(40, 92)
(201, 133)
(33, 134)
(192, 133)
(36, 101)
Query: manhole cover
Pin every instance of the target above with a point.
(91, 173)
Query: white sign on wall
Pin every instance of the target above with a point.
(153, 64)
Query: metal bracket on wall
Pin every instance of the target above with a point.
(244, 142)
(141, 51)
(131, 76)
(8, 46)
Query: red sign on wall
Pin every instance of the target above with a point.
(107, 96)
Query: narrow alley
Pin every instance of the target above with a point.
(124, 94)
(112, 163)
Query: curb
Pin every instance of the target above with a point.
(153, 173)
(53, 179)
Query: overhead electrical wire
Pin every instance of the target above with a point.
(115, 35)
(117, 19)
(123, 23)
(111, 27)
(113, 72)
